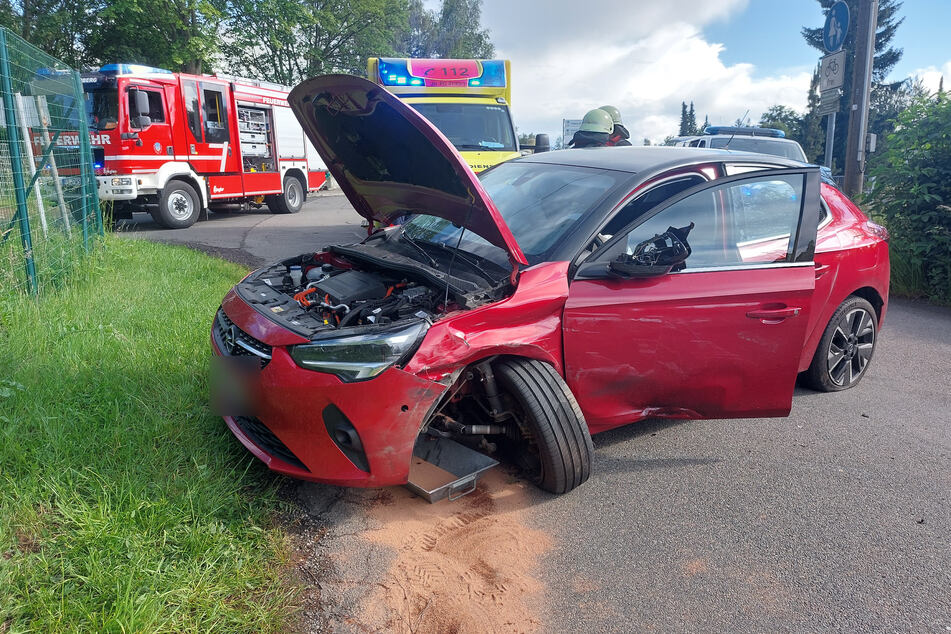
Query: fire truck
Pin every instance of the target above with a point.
(175, 144)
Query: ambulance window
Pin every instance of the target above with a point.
(192, 113)
(156, 109)
(215, 112)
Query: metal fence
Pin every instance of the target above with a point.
(49, 210)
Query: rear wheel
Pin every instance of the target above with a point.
(291, 201)
(846, 347)
(556, 446)
(179, 206)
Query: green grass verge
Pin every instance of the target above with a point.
(125, 505)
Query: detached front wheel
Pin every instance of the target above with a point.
(846, 347)
(555, 434)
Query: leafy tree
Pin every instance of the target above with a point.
(457, 31)
(886, 56)
(59, 27)
(527, 138)
(783, 118)
(453, 31)
(287, 41)
(912, 194)
(182, 36)
(646, 141)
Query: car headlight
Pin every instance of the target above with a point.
(360, 355)
(117, 182)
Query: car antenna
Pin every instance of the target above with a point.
(727, 146)
(445, 302)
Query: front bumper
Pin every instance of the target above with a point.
(302, 418)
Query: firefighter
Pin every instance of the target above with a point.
(619, 135)
(595, 129)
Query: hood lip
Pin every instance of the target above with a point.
(362, 194)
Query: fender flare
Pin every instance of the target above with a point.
(182, 171)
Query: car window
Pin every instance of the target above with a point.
(648, 200)
(747, 223)
(156, 111)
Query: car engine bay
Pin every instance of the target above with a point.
(314, 292)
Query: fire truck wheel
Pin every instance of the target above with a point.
(291, 201)
(179, 205)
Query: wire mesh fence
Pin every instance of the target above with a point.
(49, 208)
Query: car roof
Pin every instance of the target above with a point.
(654, 158)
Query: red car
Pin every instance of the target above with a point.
(555, 296)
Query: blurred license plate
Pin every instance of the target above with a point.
(235, 385)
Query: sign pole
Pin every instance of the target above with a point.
(830, 138)
(859, 99)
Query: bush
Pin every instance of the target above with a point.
(912, 197)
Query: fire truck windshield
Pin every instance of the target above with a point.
(472, 127)
(102, 108)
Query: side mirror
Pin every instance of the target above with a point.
(654, 256)
(139, 102)
(541, 143)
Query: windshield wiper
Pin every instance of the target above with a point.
(405, 236)
(468, 260)
(475, 146)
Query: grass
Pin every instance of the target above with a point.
(125, 505)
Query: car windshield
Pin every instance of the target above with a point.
(774, 147)
(470, 126)
(541, 203)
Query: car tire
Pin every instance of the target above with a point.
(179, 205)
(846, 347)
(291, 201)
(551, 421)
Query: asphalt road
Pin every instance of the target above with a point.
(837, 518)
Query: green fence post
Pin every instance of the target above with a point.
(13, 139)
(90, 186)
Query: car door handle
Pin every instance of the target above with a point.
(773, 314)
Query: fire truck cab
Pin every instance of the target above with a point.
(174, 144)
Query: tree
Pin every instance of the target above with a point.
(183, 36)
(59, 27)
(453, 32)
(286, 42)
(783, 118)
(692, 121)
(886, 56)
(812, 135)
(646, 141)
(684, 120)
(706, 124)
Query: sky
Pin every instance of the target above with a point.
(645, 57)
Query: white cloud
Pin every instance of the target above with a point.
(931, 76)
(644, 57)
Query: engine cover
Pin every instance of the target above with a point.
(351, 286)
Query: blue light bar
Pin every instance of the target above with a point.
(493, 74)
(133, 69)
(745, 131)
(395, 72)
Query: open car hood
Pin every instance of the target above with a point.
(390, 161)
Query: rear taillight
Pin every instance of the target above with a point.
(877, 230)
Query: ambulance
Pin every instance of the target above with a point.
(175, 144)
(467, 99)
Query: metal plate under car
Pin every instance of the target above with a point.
(443, 468)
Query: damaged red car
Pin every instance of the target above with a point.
(555, 296)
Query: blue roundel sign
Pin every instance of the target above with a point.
(837, 26)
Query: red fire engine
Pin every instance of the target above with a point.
(174, 144)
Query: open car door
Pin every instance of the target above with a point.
(721, 333)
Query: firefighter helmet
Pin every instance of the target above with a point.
(597, 120)
(614, 112)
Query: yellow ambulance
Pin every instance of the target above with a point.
(467, 99)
